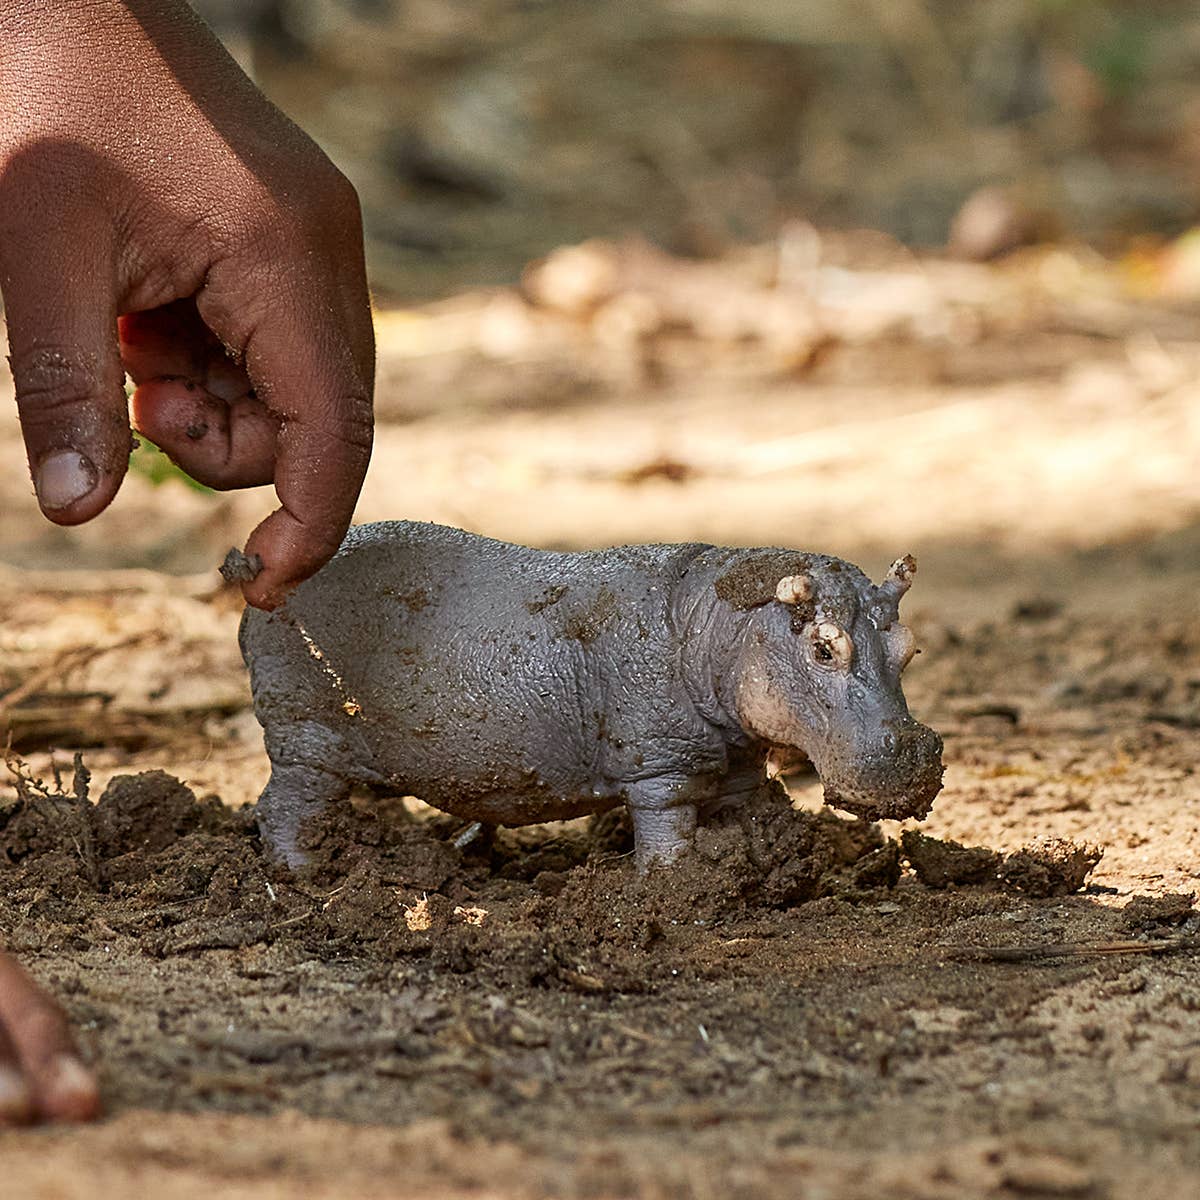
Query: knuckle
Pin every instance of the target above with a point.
(261, 231)
(352, 430)
(249, 223)
(47, 378)
(350, 425)
(69, 398)
(342, 436)
(357, 422)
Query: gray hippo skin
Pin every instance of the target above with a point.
(511, 685)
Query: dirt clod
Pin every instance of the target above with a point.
(1144, 913)
(750, 580)
(150, 811)
(1050, 867)
(1046, 867)
(939, 863)
(240, 568)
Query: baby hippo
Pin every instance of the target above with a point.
(511, 685)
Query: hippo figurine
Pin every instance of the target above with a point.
(509, 685)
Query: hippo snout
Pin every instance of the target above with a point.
(912, 747)
(898, 779)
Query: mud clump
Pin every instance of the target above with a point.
(550, 597)
(144, 813)
(239, 567)
(1144, 914)
(149, 859)
(563, 904)
(939, 864)
(381, 836)
(1046, 867)
(763, 853)
(1050, 867)
(557, 904)
(63, 839)
(752, 578)
(586, 625)
(149, 812)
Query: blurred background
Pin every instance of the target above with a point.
(483, 132)
(865, 275)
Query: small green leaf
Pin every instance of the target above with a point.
(152, 464)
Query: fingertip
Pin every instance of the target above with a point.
(176, 416)
(70, 489)
(267, 596)
(69, 1092)
(268, 589)
(271, 588)
(290, 552)
(73, 412)
(164, 407)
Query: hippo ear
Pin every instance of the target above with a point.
(901, 644)
(899, 578)
(793, 589)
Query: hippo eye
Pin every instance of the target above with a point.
(831, 645)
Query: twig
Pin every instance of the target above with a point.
(81, 808)
(297, 920)
(73, 723)
(29, 788)
(1033, 953)
(37, 795)
(63, 664)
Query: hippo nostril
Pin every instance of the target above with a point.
(890, 742)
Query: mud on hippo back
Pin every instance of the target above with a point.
(512, 685)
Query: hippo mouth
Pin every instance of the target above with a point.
(893, 786)
(914, 800)
(787, 760)
(885, 794)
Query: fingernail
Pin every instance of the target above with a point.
(16, 1104)
(70, 1091)
(62, 478)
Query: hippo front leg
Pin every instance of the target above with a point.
(294, 794)
(664, 820)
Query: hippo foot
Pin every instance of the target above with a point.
(294, 795)
(661, 835)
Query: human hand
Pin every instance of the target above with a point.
(159, 217)
(41, 1075)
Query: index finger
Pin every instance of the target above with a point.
(305, 357)
(36, 1040)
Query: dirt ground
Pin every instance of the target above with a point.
(807, 1008)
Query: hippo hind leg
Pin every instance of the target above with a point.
(664, 820)
(294, 795)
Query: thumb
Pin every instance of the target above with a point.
(59, 299)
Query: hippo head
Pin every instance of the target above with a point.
(818, 672)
